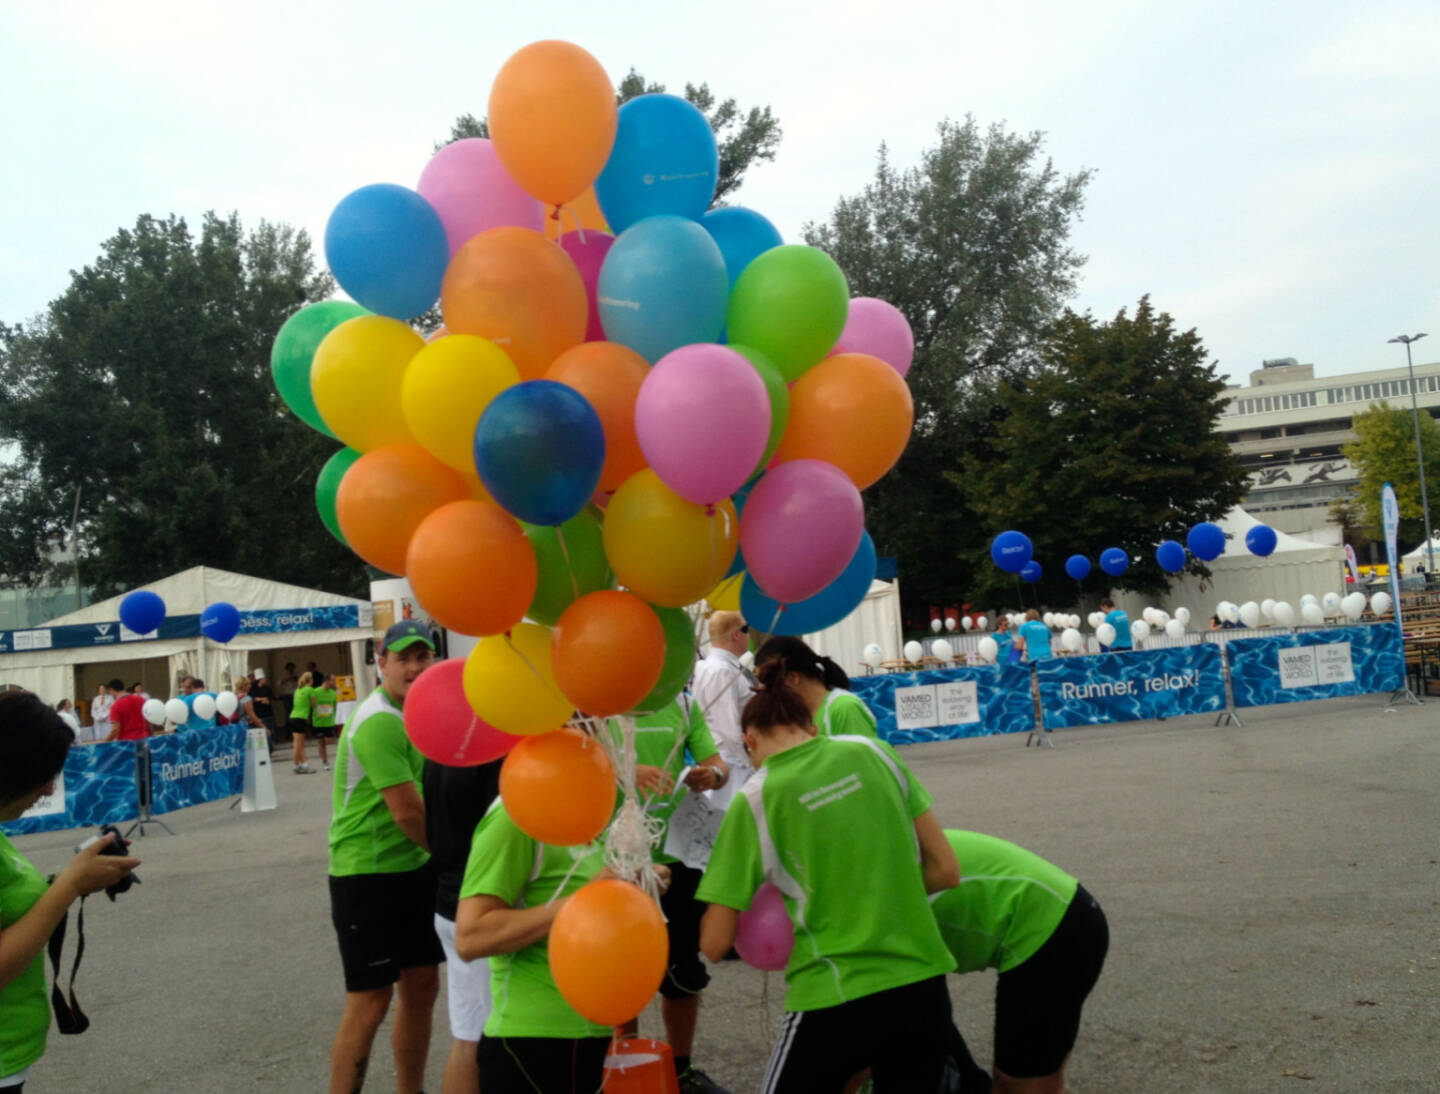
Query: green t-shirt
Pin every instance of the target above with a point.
(301, 709)
(373, 753)
(1008, 903)
(23, 1003)
(322, 706)
(814, 820)
(844, 714)
(660, 741)
(506, 863)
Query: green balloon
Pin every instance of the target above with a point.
(779, 392)
(790, 304)
(328, 485)
(570, 571)
(295, 348)
(679, 659)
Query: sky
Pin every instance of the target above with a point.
(1268, 173)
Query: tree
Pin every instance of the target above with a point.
(146, 387)
(1110, 443)
(1384, 451)
(973, 247)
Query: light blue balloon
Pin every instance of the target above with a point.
(664, 162)
(386, 246)
(826, 608)
(663, 286)
(743, 235)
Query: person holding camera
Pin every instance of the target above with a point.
(33, 743)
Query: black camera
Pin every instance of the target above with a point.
(114, 845)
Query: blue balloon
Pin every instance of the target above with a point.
(1077, 567)
(740, 497)
(1171, 556)
(1206, 541)
(387, 248)
(1261, 540)
(142, 611)
(1032, 572)
(1011, 550)
(742, 235)
(663, 286)
(1114, 561)
(826, 608)
(220, 622)
(539, 448)
(663, 163)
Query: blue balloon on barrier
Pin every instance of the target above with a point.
(1261, 540)
(1114, 561)
(1032, 572)
(663, 286)
(826, 608)
(1077, 567)
(1171, 556)
(142, 611)
(220, 622)
(386, 246)
(1206, 541)
(663, 162)
(743, 235)
(1011, 550)
(539, 448)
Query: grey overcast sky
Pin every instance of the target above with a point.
(1268, 172)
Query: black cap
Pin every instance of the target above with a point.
(403, 634)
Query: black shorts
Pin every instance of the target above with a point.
(555, 1065)
(319, 731)
(687, 974)
(384, 923)
(1038, 1003)
(298, 725)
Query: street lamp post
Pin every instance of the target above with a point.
(1405, 340)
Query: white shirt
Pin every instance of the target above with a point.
(722, 690)
(100, 707)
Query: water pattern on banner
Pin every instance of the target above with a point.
(99, 789)
(943, 704)
(1318, 664)
(1131, 686)
(192, 766)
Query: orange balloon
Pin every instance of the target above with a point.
(472, 568)
(553, 119)
(609, 375)
(559, 787)
(512, 286)
(386, 494)
(585, 209)
(852, 410)
(608, 648)
(608, 951)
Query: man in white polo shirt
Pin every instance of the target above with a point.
(722, 687)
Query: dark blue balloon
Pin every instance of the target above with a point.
(1206, 541)
(742, 236)
(1011, 550)
(1077, 567)
(220, 622)
(539, 448)
(386, 246)
(142, 611)
(1114, 561)
(1171, 556)
(1032, 571)
(826, 608)
(1261, 540)
(663, 163)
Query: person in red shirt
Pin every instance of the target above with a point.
(127, 715)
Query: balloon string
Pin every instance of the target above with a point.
(634, 834)
(464, 745)
(565, 553)
(551, 688)
(579, 224)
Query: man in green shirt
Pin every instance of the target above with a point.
(382, 891)
(323, 701)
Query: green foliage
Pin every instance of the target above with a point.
(146, 385)
(1385, 452)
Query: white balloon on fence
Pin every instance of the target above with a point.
(983, 622)
(1312, 614)
(967, 622)
(1139, 631)
(154, 711)
(1267, 608)
(1380, 604)
(1075, 621)
(1309, 598)
(914, 650)
(227, 703)
(1331, 603)
(1232, 613)
(1048, 619)
(936, 626)
(988, 649)
(942, 649)
(1354, 605)
(204, 707)
(177, 711)
(950, 623)
(1250, 613)
(1183, 614)
(1095, 619)
(1284, 614)
(1148, 615)
(1072, 640)
(1106, 634)
(874, 655)
(1175, 629)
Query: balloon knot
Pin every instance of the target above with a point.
(555, 213)
(710, 509)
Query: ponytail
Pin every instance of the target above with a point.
(796, 656)
(774, 703)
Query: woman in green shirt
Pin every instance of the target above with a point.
(299, 721)
(822, 684)
(865, 986)
(33, 744)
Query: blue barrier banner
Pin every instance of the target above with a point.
(1131, 685)
(97, 786)
(941, 704)
(191, 766)
(1318, 664)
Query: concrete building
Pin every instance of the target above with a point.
(1288, 425)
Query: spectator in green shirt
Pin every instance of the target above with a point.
(823, 685)
(300, 723)
(323, 701)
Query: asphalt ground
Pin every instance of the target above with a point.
(1273, 894)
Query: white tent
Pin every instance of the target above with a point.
(1419, 555)
(290, 623)
(877, 619)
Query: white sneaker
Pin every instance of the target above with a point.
(304, 769)
(324, 767)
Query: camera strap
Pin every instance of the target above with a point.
(69, 1018)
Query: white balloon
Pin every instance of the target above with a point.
(1106, 634)
(950, 623)
(1354, 605)
(1250, 613)
(967, 622)
(1139, 631)
(1095, 619)
(1232, 613)
(1075, 621)
(914, 650)
(1284, 613)
(873, 655)
(1380, 604)
(204, 707)
(936, 626)
(177, 711)
(1048, 619)
(227, 703)
(1312, 614)
(1071, 639)
(988, 649)
(942, 649)
(1331, 603)
(983, 622)
(1309, 598)
(154, 711)
(1183, 614)
(1267, 608)
(1175, 629)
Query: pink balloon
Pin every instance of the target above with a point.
(800, 528)
(764, 935)
(588, 255)
(473, 193)
(439, 720)
(877, 328)
(703, 419)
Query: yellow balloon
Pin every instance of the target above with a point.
(447, 386)
(725, 597)
(663, 548)
(510, 684)
(356, 377)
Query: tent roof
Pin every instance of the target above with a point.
(1237, 522)
(1419, 554)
